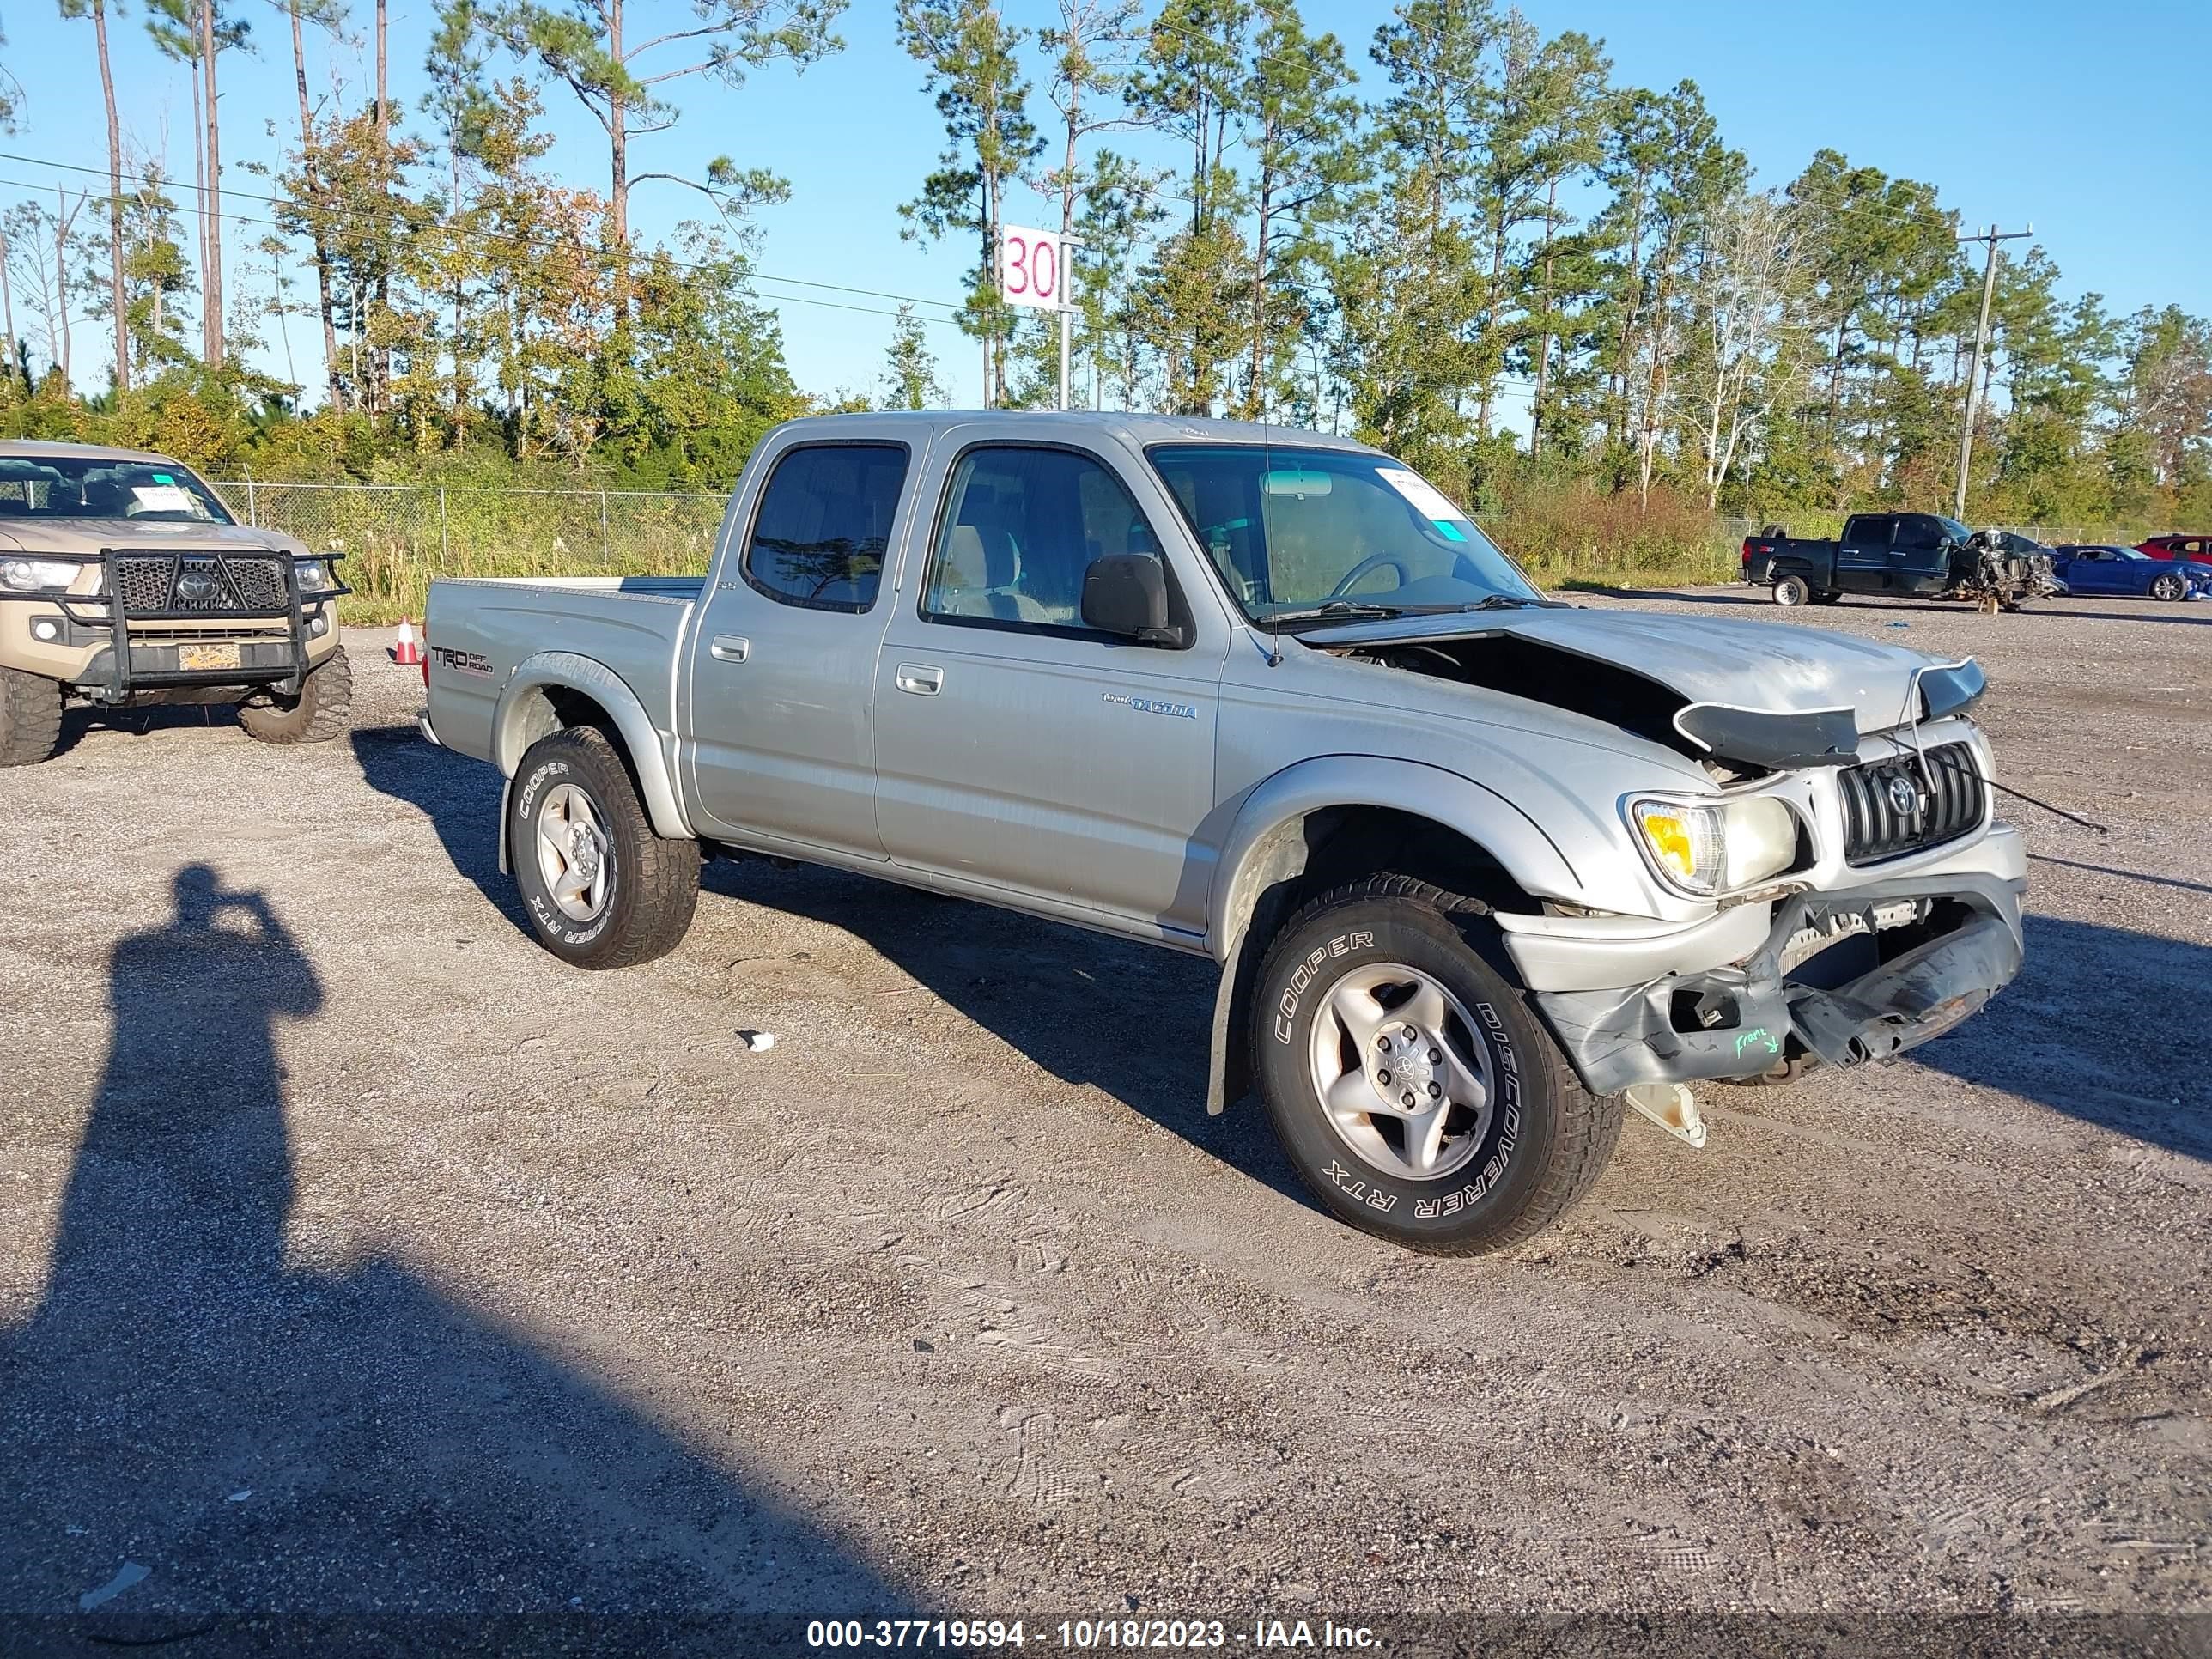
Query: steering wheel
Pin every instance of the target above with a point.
(1378, 562)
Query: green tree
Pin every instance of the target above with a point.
(588, 46)
(910, 368)
(971, 59)
(117, 306)
(1301, 125)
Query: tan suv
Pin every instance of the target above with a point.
(124, 581)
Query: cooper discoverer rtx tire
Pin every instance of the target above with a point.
(30, 717)
(601, 890)
(323, 710)
(1407, 1080)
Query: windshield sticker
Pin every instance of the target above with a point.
(161, 498)
(1427, 499)
(163, 478)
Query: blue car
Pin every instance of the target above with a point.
(2108, 568)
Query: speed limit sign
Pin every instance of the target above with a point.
(1032, 268)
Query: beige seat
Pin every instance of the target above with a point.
(978, 576)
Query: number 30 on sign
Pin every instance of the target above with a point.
(1032, 269)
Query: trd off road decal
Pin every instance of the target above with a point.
(1509, 1120)
(1342, 945)
(461, 662)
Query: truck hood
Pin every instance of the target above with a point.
(89, 538)
(1770, 694)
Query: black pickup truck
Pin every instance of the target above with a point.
(1923, 553)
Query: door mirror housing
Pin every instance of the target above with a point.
(1126, 594)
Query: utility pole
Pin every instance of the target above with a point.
(1990, 238)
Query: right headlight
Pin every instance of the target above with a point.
(32, 576)
(1717, 848)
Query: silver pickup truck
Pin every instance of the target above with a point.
(1479, 869)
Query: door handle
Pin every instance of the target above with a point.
(729, 647)
(922, 681)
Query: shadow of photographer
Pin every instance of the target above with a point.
(194, 1434)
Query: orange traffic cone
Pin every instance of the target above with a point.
(408, 653)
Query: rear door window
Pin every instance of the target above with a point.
(823, 526)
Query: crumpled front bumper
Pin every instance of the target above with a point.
(1738, 1021)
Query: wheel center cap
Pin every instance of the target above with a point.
(1412, 1069)
(586, 851)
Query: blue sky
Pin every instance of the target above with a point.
(2088, 121)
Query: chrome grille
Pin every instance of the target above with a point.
(1892, 807)
(200, 584)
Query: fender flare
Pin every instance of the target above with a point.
(1264, 846)
(513, 729)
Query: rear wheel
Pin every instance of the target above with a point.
(1408, 1082)
(603, 890)
(30, 717)
(2168, 585)
(1792, 589)
(323, 710)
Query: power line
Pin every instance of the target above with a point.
(162, 182)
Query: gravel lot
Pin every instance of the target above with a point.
(355, 1257)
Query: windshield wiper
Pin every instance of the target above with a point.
(1329, 612)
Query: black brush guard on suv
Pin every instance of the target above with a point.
(222, 588)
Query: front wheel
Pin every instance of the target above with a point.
(1792, 590)
(323, 709)
(1826, 596)
(603, 890)
(30, 717)
(1408, 1081)
(2168, 585)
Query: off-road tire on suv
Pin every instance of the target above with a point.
(2169, 585)
(323, 710)
(575, 781)
(30, 717)
(1507, 1170)
(1792, 589)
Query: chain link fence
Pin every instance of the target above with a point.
(396, 536)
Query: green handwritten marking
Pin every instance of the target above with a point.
(1757, 1034)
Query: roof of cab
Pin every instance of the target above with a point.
(1069, 425)
(34, 449)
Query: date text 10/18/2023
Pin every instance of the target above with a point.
(1087, 1634)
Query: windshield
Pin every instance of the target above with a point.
(1957, 532)
(78, 487)
(1293, 529)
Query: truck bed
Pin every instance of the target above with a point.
(478, 630)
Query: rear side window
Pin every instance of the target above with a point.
(825, 524)
(1869, 530)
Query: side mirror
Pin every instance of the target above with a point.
(1127, 593)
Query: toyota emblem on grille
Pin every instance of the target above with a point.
(1903, 795)
(197, 587)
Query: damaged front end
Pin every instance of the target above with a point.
(1841, 978)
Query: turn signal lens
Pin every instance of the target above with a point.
(1718, 849)
(1685, 842)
